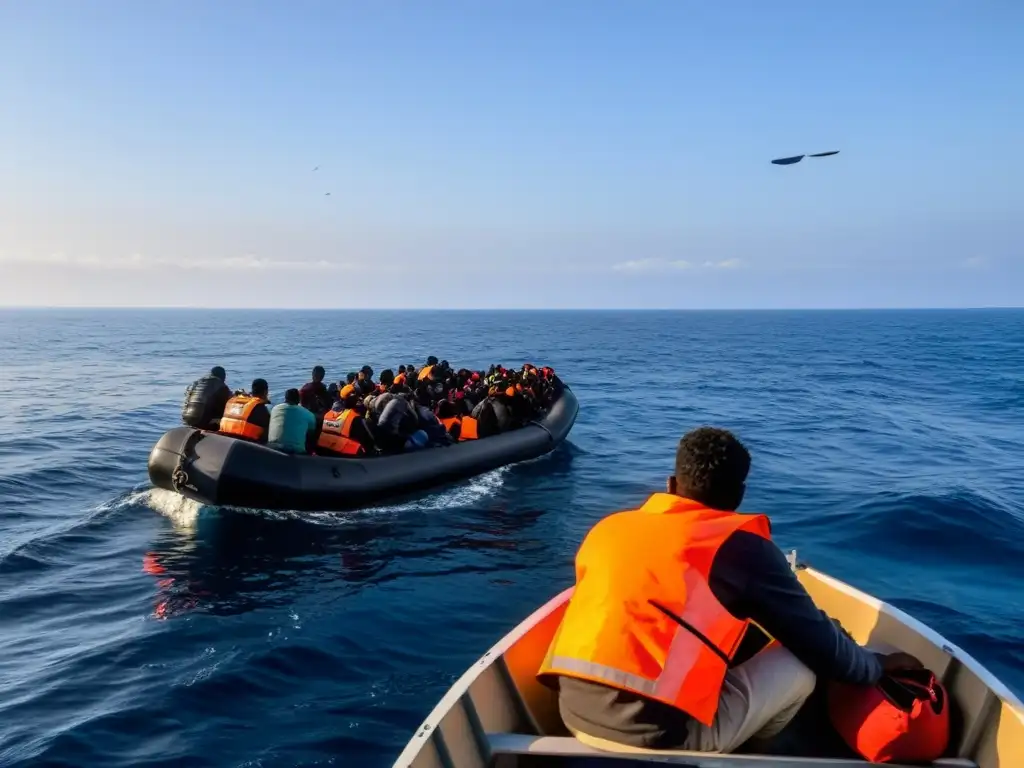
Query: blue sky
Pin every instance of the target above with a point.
(511, 154)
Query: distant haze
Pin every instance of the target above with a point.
(584, 153)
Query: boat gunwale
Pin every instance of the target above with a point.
(993, 683)
(461, 686)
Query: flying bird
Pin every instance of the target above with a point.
(317, 168)
(327, 194)
(798, 158)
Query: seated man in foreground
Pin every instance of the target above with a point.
(664, 595)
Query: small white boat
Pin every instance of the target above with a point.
(498, 716)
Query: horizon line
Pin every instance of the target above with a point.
(184, 307)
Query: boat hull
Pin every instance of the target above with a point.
(498, 714)
(219, 470)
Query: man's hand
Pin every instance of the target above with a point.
(899, 662)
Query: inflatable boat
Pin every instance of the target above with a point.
(220, 470)
(498, 716)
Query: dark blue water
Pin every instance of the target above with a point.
(140, 630)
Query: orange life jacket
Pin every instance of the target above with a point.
(656, 630)
(334, 434)
(468, 429)
(425, 372)
(235, 421)
(400, 379)
(450, 422)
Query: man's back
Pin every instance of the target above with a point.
(290, 425)
(204, 402)
(751, 579)
(313, 396)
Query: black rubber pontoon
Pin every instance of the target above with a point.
(219, 470)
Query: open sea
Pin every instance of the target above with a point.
(138, 629)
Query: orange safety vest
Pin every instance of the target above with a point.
(400, 379)
(468, 429)
(334, 434)
(656, 628)
(450, 422)
(235, 420)
(425, 372)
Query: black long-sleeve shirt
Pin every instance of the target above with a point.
(751, 578)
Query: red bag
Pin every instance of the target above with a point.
(905, 718)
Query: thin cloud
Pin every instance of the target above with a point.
(137, 261)
(651, 265)
(648, 266)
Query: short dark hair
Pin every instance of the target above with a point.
(318, 373)
(712, 467)
(423, 394)
(401, 369)
(367, 370)
(218, 373)
(387, 377)
(260, 387)
(292, 396)
(431, 360)
(350, 377)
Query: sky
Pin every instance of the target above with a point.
(511, 154)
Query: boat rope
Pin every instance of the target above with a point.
(179, 477)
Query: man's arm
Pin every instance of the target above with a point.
(752, 579)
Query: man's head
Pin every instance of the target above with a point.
(292, 396)
(387, 377)
(401, 369)
(350, 377)
(711, 468)
(218, 373)
(423, 394)
(352, 400)
(319, 373)
(431, 360)
(260, 388)
(367, 372)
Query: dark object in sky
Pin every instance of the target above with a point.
(317, 168)
(327, 194)
(798, 158)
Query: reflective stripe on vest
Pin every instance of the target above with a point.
(468, 430)
(335, 431)
(235, 420)
(658, 630)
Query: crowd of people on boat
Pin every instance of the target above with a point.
(412, 409)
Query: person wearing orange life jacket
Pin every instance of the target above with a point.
(344, 433)
(646, 653)
(448, 416)
(247, 416)
(387, 380)
(426, 370)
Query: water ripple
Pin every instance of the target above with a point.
(142, 629)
